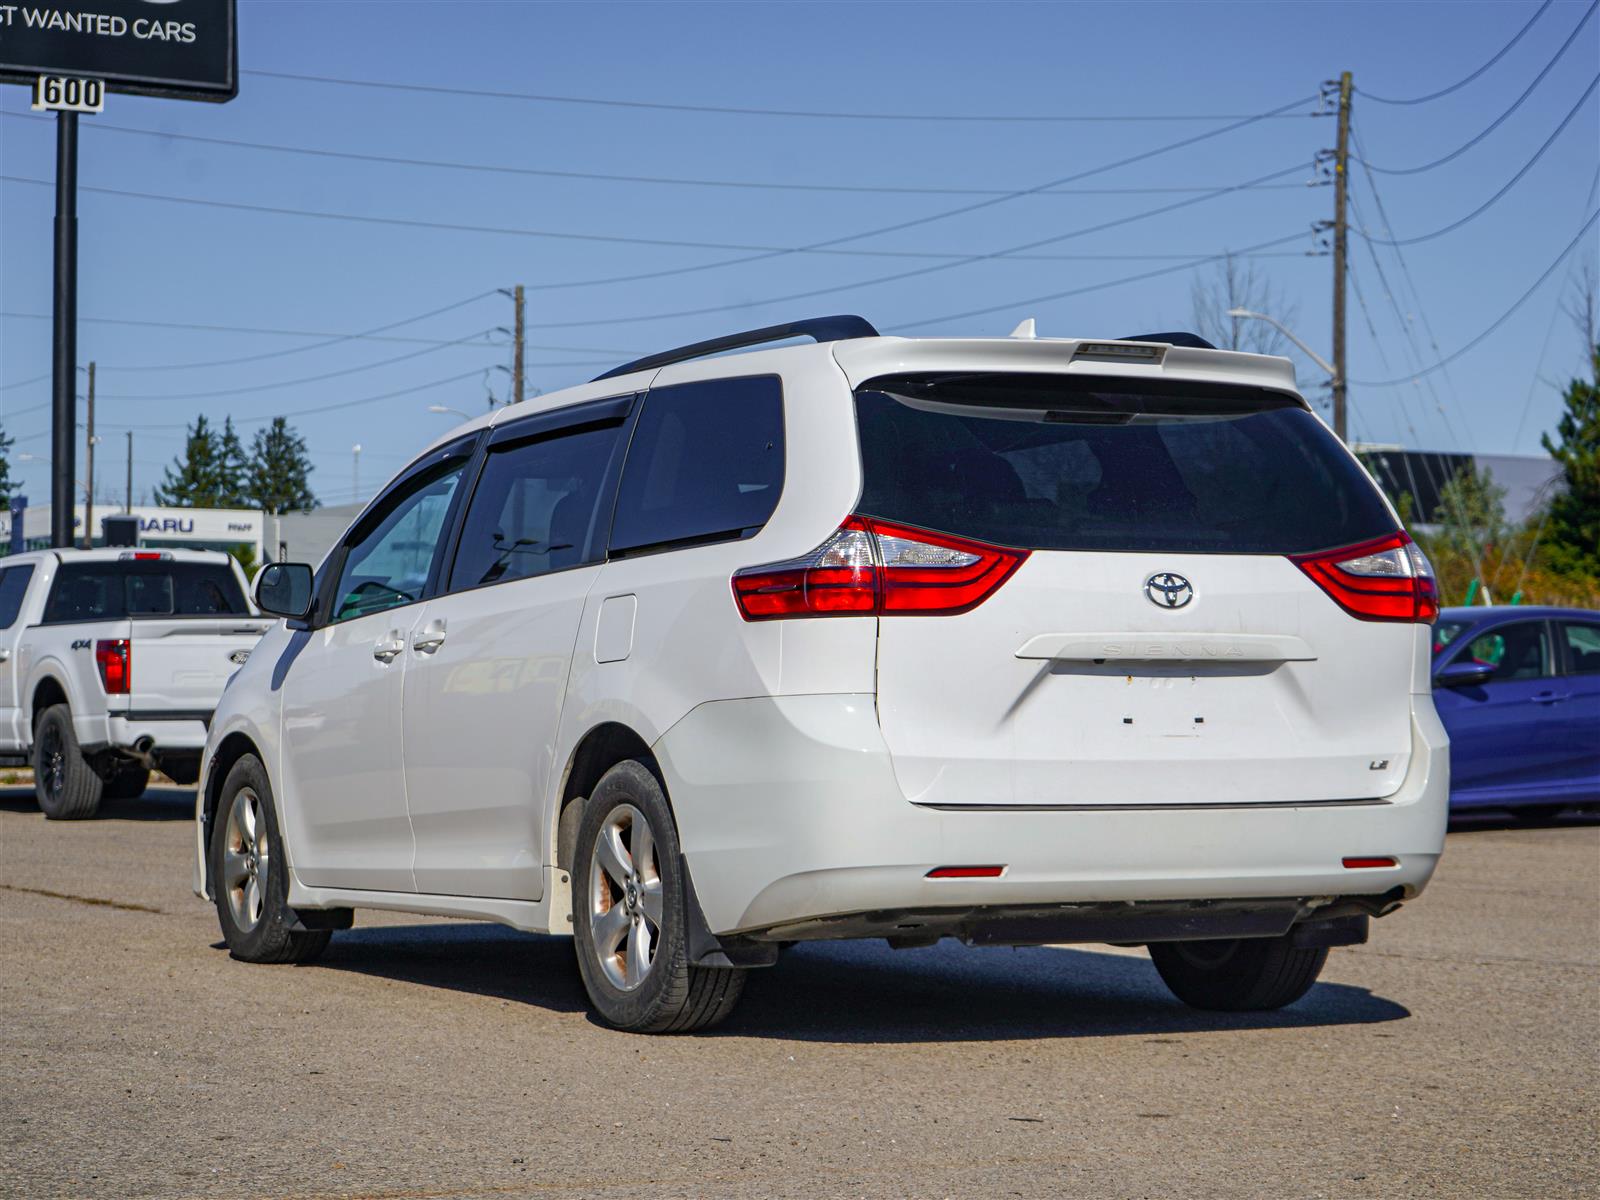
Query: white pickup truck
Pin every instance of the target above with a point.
(111, 662)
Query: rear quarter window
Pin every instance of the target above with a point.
(104, 591)
(705, 464)
(1080, 463)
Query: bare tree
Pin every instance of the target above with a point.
(1235, 283)
(1583, 307)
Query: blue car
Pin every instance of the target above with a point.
(1519, 691)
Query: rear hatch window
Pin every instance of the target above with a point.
(99, 591)
(1057, 462)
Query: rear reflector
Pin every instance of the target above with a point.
(114, 657)
(1362, 864)
(966, 873)
(871, 567)
(1388, 579)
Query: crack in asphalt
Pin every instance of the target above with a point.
(95, 901)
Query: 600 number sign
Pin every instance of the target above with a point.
(66, 93)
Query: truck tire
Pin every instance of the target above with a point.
(1238, 975)
(250, 876)
(67, 787)
(127, 784)
(629, 914)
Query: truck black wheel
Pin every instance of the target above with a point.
(67, 787)
(628, 914)
(250, 877)
(1238, 975)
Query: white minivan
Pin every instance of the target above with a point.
(1017, 641)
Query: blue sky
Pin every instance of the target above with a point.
(174, 264)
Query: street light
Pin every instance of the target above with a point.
(1335, 381)
(1245, 314)
(445, 408)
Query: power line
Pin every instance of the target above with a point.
(267, 387)
(605, 177)
(331, 341)
(1457, 86)
(1009, 253)
(254, 329)
(760, 251)
(1079, 291)
(1511, 183)
(1498, 321)
(726, 110)
(1498, 121)
(24, 382)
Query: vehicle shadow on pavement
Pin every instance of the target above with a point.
(859, 991)
(157, 804)
(1491, 819)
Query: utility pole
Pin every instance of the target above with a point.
(516, 351)
(127, 504)
(355, 472)
(1341, 190)
(88, 491)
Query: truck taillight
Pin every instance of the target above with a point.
(114, 657)
(872, 567)
(1388, 579)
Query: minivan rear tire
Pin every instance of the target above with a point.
(1240, 974)
(671, 995)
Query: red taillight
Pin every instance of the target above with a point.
(1363, 864)
(966, 873)
(1388, 579)
(114, 657)
(875, 567)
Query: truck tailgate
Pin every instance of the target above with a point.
(179, 664)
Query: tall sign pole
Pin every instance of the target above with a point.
(64, 365)
(71, 58)
(1341, 191)
(88, 455)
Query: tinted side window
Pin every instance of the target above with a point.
(705, 463)
(534, 509)
(1520, 651)
(13, 587)
(1583, 645)
(388, 564)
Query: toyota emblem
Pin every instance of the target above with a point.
(1167, 590)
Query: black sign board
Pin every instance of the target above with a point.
(185, 49)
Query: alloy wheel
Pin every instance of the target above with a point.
(625, 897)
(246, 855)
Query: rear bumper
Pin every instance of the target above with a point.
(790, 817)
(167, 731)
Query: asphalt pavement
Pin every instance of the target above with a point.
(1457, 1054)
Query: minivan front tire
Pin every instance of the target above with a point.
(1239, 974)
(629, 911)
(249, 877)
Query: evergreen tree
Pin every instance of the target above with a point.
(278, 472)
(1572, 533)
(233, 469)
(196, 478)
(6, 484)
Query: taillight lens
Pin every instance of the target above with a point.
(114, 657)
(872, 567)
(1388, 579)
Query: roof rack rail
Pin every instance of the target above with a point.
(822, 329)
(1193, 340)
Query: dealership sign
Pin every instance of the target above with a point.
(186, 49)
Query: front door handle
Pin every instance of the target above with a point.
(429, 639)
(5, 655)
(1550, 697)
(386, 650)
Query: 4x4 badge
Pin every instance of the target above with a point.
(1166, 590)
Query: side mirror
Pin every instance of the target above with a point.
(284, 590)
(1464, 674)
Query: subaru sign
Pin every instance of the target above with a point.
(185, 49)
